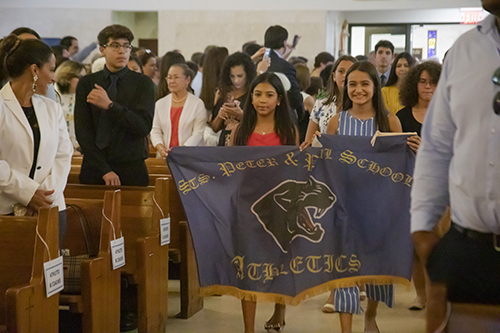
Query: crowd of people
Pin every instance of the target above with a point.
(52, 106)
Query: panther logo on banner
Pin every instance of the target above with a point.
(285, 211)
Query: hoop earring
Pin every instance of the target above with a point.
(35, 78)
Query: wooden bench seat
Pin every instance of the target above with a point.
(99, 299)
(24, 306)
(146, 262)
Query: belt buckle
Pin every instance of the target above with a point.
(496, 242)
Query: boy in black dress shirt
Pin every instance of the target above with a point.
(113, 115)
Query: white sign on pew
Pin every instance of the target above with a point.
(165, 231)
(54, 280)
(118, 252)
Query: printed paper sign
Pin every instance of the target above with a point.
(165, 231)
(118, 252)
(54, 279)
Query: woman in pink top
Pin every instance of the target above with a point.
(266, 122)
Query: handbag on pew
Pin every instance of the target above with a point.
(72, 263)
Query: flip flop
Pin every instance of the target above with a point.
(328, 308)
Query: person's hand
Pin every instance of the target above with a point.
(233, 110)
(111, 178)
(99, 97)
(222, 113)
(40, 198)
(231, 124)
(162, 150)
(31, 212)
(263, 66)
(317, 134)
(414, 142)
(424, 242)
(259, 55)
(305, 145)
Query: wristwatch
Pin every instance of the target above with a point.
(110, 105)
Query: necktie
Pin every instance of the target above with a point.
(382, 80)
(104, 128)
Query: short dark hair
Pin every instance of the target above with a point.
(197, 57)
(114, 31)
(323, 58)
(193, 66)
(67, 41)
(137, 61)
(275, 37)
(408, 93)
(251, 48)
(145, 55)
(25, 30)
(58, 53)
(361, 57)
(384, 43)
(17, 55)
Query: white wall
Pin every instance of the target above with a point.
(192, 31)
(230, 5)
(84, 24)
(450, 15)
(446, 37)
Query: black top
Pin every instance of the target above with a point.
(30, 114)
(408, 121)
(224, 136)
(131, 114)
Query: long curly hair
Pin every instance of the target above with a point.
(408, 94)
(234, 60)
(381, 113)
(283, 124)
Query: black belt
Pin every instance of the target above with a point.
(479, 236)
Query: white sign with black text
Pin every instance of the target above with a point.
(54, 278)
(165, 231)
(118, 252)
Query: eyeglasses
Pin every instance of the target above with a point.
(174, 78)
(116, 46)
(496, 99)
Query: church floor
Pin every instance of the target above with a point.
(223, 314)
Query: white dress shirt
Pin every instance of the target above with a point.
(458, 162)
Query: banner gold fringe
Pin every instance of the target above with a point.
(311, 292)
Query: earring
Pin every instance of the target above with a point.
(35, 78)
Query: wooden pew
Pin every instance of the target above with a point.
(183, 250)
(157, 168)
(24, 306)
(191, 303)
(99, 299)
(146, 262)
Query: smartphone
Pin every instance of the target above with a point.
(295, 41)
(266, 55)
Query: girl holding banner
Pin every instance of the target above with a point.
(266, 122)
(364, 113)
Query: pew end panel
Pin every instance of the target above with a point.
(24, 299)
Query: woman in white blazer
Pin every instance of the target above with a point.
(180, 117)
(35, 149)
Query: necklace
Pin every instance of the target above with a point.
(179, 100)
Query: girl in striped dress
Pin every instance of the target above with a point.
(364, 113)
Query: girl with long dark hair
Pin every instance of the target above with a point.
(237, 74)
(390, 92)
(364, 113)
(266, 122)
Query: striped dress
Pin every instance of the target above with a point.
(347, 299)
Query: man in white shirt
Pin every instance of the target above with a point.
(457, 165)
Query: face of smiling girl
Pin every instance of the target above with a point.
(360, 88)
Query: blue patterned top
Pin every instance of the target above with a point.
(348, 125)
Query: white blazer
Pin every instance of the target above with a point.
(191, 123)
(17, 149)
